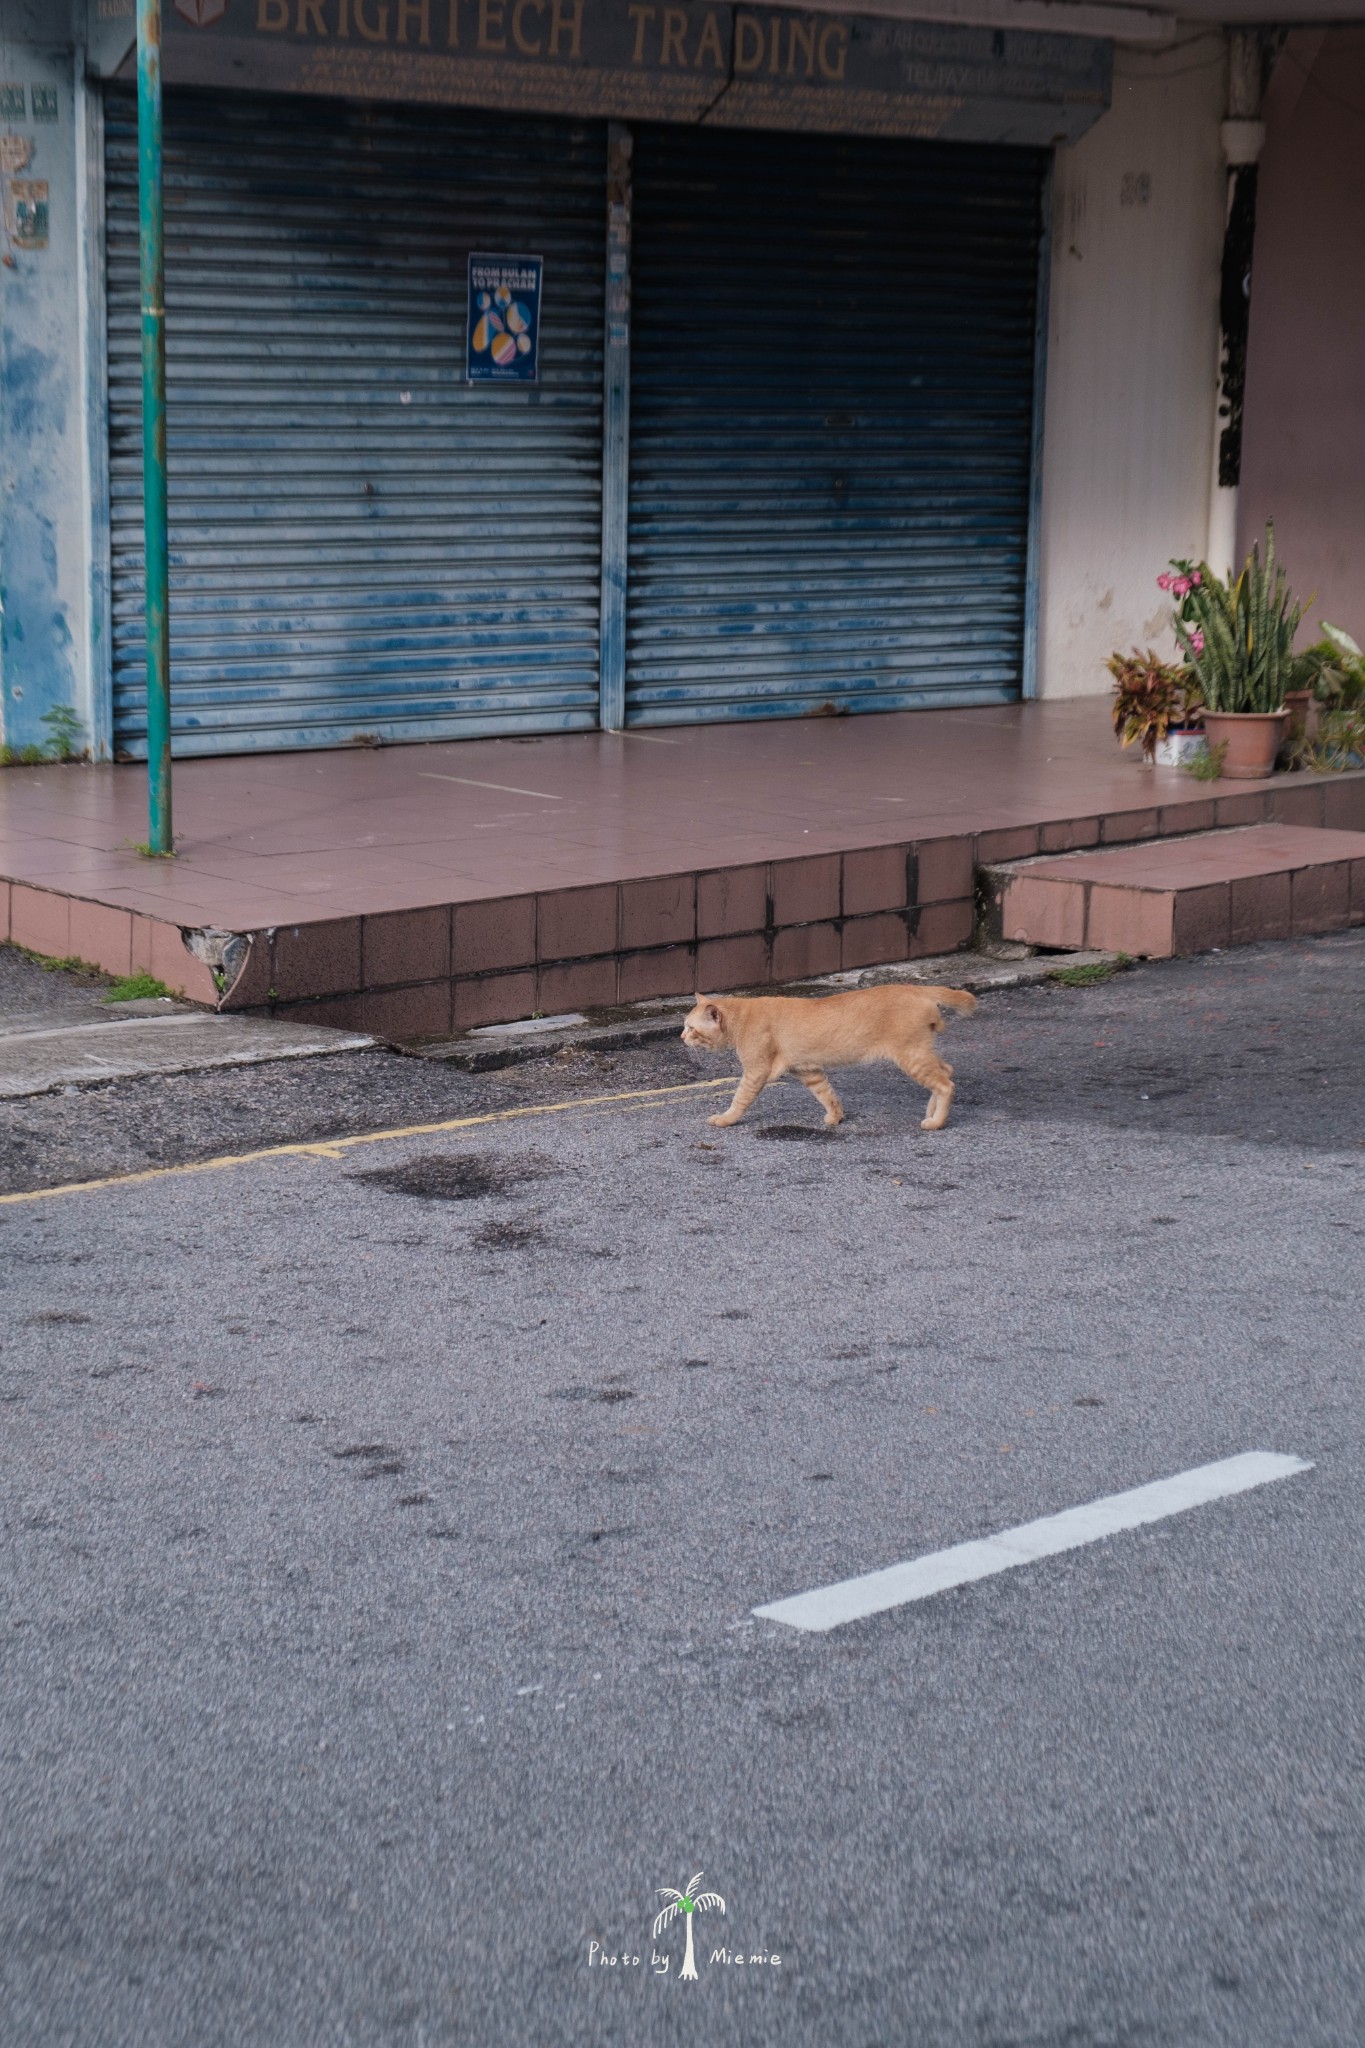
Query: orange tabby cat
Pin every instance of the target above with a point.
(802, 1035)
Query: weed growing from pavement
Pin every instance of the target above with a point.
(1208, 766)
(68, 963)
(124, 988)
(66, 744)
(1092, 973)
(135, 988)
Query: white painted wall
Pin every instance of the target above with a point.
(1132, 360)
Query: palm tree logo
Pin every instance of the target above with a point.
(687, 1903)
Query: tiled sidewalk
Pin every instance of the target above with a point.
(417, 890)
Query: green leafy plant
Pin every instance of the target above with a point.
(66, 744)
(1338, 743)
(1239, 638)
(1208, 766)
(1333, 668)
(135, 988)
(68, 734)
(1151, 696)
(67, 963)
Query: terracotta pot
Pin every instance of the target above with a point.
(1252, 739)
(1301, 710)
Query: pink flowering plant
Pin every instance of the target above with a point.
(1181, 580)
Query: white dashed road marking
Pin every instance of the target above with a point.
(874, 1592)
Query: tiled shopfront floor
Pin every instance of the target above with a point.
(427, 888)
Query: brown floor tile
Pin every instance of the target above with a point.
(725, 964)
(1134, 921)
(572, 923)
(805, 890)
(500, 932)
(255, 978)
(658, 912)
(1015, 843)
(1260, 908)
(943, 928)
(376, 834)
(1202, 918)
(1343, 803)
(333, 1013)
(805, 949)
(400, 1013)
(1322, 898)
(732, 900)
(405, 945)
(1250, 808)
(943, 870)
(1298, 806)
(1118, 828)
(320, 959)
(41, 921)
(102, 935)
(875, 878)
(875, 941)
(1038, 910)
(671, 971)
(1199, 816)
(1060, 835)
(576, 985)
(496, 999)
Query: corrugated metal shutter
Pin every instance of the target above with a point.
(361, 543)
(832, 361)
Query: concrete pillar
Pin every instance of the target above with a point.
(1242, 135)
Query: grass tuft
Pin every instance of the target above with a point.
(135, 988)
(1091, 973)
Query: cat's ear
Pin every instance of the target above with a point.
(713, 1014)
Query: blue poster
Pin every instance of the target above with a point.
(504, 319)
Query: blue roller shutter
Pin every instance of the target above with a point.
(363, 546)
(831, 406)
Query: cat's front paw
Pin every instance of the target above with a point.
(720, 1122)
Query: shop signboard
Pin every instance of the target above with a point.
(697, 61)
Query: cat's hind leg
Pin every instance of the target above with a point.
(752, 1083)
(925, 1066)
(819, 1087)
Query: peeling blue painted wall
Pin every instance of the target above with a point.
(44, 519)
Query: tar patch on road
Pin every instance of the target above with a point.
(459, 1176)
(794, 1133)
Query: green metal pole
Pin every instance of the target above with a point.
(152, 243)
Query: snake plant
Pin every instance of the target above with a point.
(1239, 638)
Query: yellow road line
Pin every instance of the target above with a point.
(336, 1148)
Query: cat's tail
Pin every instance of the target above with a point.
(953, 998)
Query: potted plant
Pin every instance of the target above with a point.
(1156, 703)
(1239, 640)
(1332, 735)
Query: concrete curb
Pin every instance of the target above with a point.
(508, 1045)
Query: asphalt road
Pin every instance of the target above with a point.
(382, 1533)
